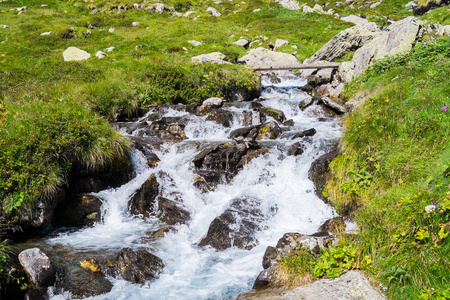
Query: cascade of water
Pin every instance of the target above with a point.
(279, 184)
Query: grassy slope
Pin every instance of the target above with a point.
(395, 163)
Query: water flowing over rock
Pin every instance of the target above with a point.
(139, 266)
(38, 267)
(398, 38)
(236, 226)
(143, 201)
(261, 56)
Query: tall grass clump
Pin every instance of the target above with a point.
(41, 141)
(393, 174)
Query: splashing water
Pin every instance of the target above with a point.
(279, 182)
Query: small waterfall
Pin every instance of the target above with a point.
(279, 183)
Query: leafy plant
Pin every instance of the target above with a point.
(336, 261)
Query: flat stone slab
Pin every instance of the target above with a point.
(353, 285)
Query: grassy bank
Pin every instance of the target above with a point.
(393, 178)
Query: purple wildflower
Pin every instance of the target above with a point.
(445, 107)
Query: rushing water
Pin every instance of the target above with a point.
(277, 180)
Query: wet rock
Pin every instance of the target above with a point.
(165, 129)
(79, 210)
(220, 116)
(295, 149)
(246, 132)
(82, 283)
(307, 132)
(319, 172)
(277, 114)
(38, 267)
(160, 233)
(236, 226)
(266, 277)
(144, 200)
(255, 105)
(91, 265)
(172, 212)
(208, 180)
(247, 118)
(270, 254)
(305, 103)
(289, 122)
(139, 266)
(269, 130)
(334, 225)
(45, 208)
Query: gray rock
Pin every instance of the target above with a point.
(412, 4)
(333, 105)
(213, 57)
(355, 20)
(194, 43)
(307, 9)
(144, 200)
(242, 42)
(398, 38)
(4, 26)
(351, 38)
(79, 210)
(46, 33)
(280, 42)
(353, 285)
(101, 54)
(134, 24)
(38, 267)
(73, 53)
(215, 101)
(375, 4)
(109, 49)
(289, 4)
(356, 101)
(443, 30)
(111, 30)
(214, 12)
(139, 266)
(261, 56)
(320, 172)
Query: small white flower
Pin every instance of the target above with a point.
(430, 208)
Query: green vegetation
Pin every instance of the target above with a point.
(392, 175)
(440, 15)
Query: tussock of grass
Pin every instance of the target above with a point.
(394, 167)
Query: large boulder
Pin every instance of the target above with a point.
(73, 53)
(172, 212)
(79, 210)
(143, 201)
(38, 267)
(398, 38)
(261, 56)
(220, 116)
(320, 172)
(166, 129)
(236, 226)
(347, 40)
(139, 266)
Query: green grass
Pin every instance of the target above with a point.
(395, 162)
